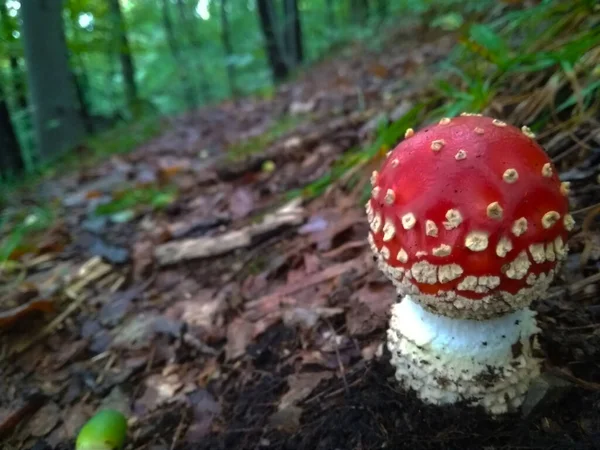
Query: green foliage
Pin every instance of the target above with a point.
(120, 139)
(387, 137)
(259, 143)
(16, 226)
(555, 40)
(154, 197)
(548, 38)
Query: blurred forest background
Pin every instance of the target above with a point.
(98, 63)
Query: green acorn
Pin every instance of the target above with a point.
(106, 430)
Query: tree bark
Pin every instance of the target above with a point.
(127, 65)
(11, 159)
(56, 112)
(8, 26)
(18, 84)
(80, 78)
(188, 90)
(228, 47)
(277, 63)
(293, 32)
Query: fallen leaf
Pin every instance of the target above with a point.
(369, 308)
(307, 318)
(314, 225)
(239, 335)
(142, 259)
(74, 417)
(11, 417)
(138, 332)
(44, 420)
(158, 390)
(300, 386)
(241, 203)
(204, 410)
(14, 315)
(203, 313)
(287, 419)
(270, 302)
(112, 253)
(117, 400)
(113, 311)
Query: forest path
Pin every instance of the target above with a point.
(183, 287)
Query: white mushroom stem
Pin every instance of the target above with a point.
(447, 360)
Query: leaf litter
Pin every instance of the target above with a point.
(185, 288)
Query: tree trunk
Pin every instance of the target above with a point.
(266, 15)
(11, 159)
(292, 32)
(127, 66)
(80, 82)
(80, 78)
(186, 20)
(330, 13)
(17, 82)
(56, 114)
(226, 39)
(181, 65)
(7, 27)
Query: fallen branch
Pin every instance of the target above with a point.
(290, 214)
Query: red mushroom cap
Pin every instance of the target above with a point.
(469, 217)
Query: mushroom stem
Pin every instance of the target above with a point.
(484, 362)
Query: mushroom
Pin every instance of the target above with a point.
(469, 220)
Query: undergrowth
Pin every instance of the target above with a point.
(533, 66)
(257, 144)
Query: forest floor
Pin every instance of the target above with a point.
(181, 286)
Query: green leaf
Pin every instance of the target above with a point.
(496, 49)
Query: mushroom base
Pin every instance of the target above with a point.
(445, 360)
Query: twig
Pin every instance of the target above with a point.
(338, 356)
(586, 209)
(565, 375)
(580, 328)
(179, 431)
(291, 214)
(48, 329)
(579, 285)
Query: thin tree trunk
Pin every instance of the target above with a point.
(187, 21)
(80, 89)
(226, 39)
(16, 72)
(188, 90)
(11, 159)
(292, 31)
(330, 13)
(80, 78)
(279, 69)
(17, 82)
(127, 66)
(56, 112)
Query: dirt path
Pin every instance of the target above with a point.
(189, 292)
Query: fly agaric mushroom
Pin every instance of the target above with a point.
(469, 220)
